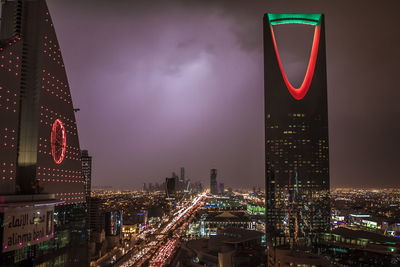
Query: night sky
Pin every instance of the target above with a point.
(179, 83)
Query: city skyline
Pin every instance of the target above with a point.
(174, 87)
(223, 127)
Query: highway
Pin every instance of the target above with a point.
(160, 244)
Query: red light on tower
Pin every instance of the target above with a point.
(310, 19)
(58, 141)
(299, 93)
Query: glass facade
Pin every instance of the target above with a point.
(40, 164)
(296, 142)
(67, 247)
(87, 171)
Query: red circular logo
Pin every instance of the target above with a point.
(58, 141)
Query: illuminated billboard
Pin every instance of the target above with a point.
(26, 226)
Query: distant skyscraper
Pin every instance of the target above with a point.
(170, 187)
(221, 188)
(296, 131)
(183, 174)
(87, 171)
(41, 173)
(213, 182)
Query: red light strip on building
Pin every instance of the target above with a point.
(299, 93)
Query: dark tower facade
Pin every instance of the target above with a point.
(40, 159)
(183, 175)
(170, 187)
(87, 171)
(296, 133)
(213, 182)
(222, 188)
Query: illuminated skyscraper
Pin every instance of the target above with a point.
(87, 171)
(40, 162)
(296, 132)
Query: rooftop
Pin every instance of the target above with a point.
(361, 234)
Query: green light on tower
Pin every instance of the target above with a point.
(309, 19)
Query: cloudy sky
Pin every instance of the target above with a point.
(179, 83)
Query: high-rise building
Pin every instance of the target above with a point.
(296, 132)
(213, 182)
(43, 208)
(96, 217)
(183, 175)
(221, 188)
(170, 187)
(113, 223)
(87, 171)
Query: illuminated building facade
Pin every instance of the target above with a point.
(296, 132)
(255, 209)
(113, 223)
(87, 171)
(41, 172)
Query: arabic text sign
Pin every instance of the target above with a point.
(27, 226)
